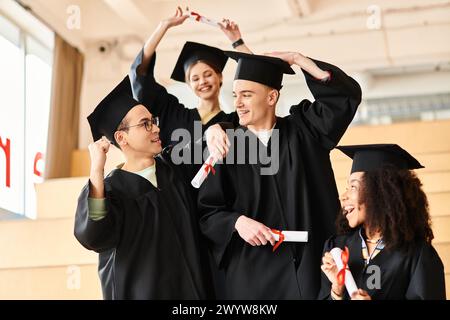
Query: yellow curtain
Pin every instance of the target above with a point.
(64, 110)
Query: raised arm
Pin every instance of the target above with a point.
(232, 32)
(157, 35)
(98, 215)
(149, 92)
(337, 97)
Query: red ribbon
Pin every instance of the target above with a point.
(209, 167)
(197, 16)
(341, 273)
(280, 239)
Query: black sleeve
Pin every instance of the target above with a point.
(335, 105)
(172, 114)
(231, 121)
(184, 170)
(427, 278)
(217, 219)
(100, 235)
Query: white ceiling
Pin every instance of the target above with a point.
(412, 32)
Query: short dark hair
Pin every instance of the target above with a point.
(396, 205)
(121, 127)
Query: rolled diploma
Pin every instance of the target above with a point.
(202, 173)
(193, 16)
(349, 281)
(292, 236)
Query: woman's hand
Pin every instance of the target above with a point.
(230, 29)
(361, 295)
(330, 269)
(175, 20)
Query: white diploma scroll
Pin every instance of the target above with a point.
(198, 17)
(350, 284)
(292, 236)
(203, 172)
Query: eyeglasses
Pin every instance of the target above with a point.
(148, 124)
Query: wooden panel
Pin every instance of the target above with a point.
(432, 182)
(57, 198)
(27, 243)
(433, 162)
(62, 282)
(443, 250)
(441, 228)
(416, 137)
(81, 162)
(447, 285)
(439, 203)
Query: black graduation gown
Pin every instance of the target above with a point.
(301, 196)
(418, 275)
(148, 243)
(173, 114)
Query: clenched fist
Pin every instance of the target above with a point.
(97, 152)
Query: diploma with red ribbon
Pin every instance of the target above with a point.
(288, 236)
(198, 17)
(344, 276)
(204, 171)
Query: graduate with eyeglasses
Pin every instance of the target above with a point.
(200, 67)
(385, 224)
(141, 217)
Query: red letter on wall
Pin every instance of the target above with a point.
(39, 156)
(7, 149)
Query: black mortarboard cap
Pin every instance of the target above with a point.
(192, 52)
(262, 69)
(369, 157)
(108, 114)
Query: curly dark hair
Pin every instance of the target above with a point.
(396, 205)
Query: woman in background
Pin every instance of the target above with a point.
(385, 224)
(200, 67)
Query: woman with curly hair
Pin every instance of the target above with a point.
(385, 224)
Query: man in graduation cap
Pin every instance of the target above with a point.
(140, 218)
(385, 224)
(240, 206)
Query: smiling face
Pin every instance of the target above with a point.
(254, 102)
(204, 80)
(137, 140)
(353, 209)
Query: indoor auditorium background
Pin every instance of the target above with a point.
(60, 57)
